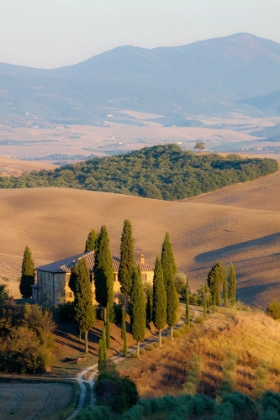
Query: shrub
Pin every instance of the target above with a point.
(118, 393)
(203, 405)
(271, 401)
(176, 333)
(142, 351)
(133, 354)
(66, 312)
(241, 403)
(155, 344)
(269, 415)
(199, 320)
(149, 347)
(273, 309)
(224, 411)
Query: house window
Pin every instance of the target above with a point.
(144, 277)
(115, 277)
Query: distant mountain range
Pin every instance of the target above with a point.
(237, 73)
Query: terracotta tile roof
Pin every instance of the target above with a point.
(65, 266)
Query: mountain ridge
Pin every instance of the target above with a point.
(206, 77)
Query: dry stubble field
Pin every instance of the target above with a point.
(30, 401)
(239, 223)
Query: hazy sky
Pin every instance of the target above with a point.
(54, 33)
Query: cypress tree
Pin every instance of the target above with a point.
(27, 274)
(124, 331)
(225, 289)
(83, 307)
(103, 272)
(167, 260)
(91, 241)
(232, 285)
(102, 352)
(159, 300)
(149, 308)
(138, 315)
(172, 305)
(108, 328)
(127, 260)
(215, 281)
(187, 316)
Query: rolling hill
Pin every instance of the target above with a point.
(206, 77)
(234, 224)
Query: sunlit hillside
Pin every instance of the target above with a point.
(236, 224)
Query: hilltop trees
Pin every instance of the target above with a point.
(91, 241)
(27, 274)
(83, 307)
(103, 275)
(127, 260)
(159, 299)
(138, 315)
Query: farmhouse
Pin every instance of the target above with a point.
(52, 279)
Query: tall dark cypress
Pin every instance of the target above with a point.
(167, 260)
(159, 300)
(232, 285)
(27, 274)
(138, 313)
(91, 241)
(124, 331)
(225, 289)
(215, 281)
(127, 260)
(83, 307)
(103, 272)
(172, 305)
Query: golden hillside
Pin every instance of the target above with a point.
(240, 224)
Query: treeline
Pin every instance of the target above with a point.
(161, 172)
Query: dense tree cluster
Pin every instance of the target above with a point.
(162, 172)
(26, 343)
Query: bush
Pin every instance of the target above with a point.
(176, 333)
(133, 354)
(271, 401)
(241, 403)
(142, 351)
(269, 415)
(118, 393)
(203, 405)
(224, 411)
(199, 320)
(155, 344)
(273, 309)
(66, 312)
(149, 347)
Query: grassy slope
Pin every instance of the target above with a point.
(251, 336)
(55, 223)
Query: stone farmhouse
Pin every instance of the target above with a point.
(52, 279)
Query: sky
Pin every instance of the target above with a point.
(56, 33)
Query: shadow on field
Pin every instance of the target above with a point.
(241, 246)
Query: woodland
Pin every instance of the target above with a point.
(160, 172)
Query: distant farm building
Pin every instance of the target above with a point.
(52, 280)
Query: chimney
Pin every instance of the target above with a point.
(142, 259)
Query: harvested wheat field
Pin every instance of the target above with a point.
(15, 167)
(239, 224)
(20, 400)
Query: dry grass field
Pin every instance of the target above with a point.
(239, 224)
(251, 336)
(28, 401)
(15, 167)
